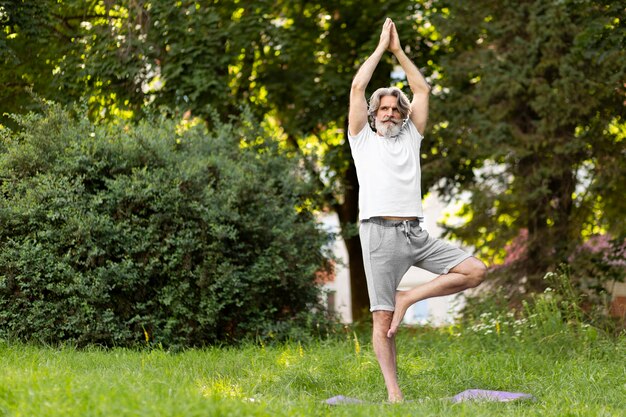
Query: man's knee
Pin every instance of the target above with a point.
(474, 271)
(381, 320)
(477, 272)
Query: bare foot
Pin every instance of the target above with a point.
(402, 304)
(395, 396)
(396, 399)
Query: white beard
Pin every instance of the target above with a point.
(388, 130)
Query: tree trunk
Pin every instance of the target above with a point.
(550, 227)
(348, 212)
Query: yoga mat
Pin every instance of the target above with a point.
(467, 395)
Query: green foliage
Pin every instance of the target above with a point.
(532, 100)
(36, 50)
(599, 263)
(115, 233)
(567, 310)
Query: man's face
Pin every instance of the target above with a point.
(388, 121)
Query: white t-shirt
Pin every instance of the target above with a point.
(389, 172)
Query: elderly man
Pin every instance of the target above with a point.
(390, 208)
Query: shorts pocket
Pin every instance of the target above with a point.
(377, 236)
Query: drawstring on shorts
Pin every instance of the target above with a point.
(406, 224)
(407, 230)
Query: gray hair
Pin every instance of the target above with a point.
(404, 105)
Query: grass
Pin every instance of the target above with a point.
(568, 373)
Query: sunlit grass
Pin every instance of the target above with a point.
(295, 379)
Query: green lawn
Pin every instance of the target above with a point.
(569, 375)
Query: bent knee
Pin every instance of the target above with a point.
(477, 275)
(475, 272)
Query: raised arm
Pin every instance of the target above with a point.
(417, 83)
(357, 117)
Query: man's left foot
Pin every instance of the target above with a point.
(395, 400)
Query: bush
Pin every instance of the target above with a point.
(559, 315)
(161, 232)
(597, 264)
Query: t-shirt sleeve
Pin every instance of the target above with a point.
(357, 141)
(414, 133)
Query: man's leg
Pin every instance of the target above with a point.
(385, 349)
(467, 274)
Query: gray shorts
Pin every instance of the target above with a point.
(391, 247)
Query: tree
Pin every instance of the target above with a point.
(35, 38)
(532, 96)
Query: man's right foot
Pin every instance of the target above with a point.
(402, 305)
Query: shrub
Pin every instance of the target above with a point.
(162, 232)
(558, 314)
(586, 280)
(597, 264)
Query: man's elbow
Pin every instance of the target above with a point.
(421, 88)
(358, 86)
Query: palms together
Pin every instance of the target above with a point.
(389, 36)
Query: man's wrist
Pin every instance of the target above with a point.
(397, 52)
(380, 48)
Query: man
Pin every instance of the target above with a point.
(388, 169)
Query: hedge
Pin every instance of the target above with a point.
(161, 231)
